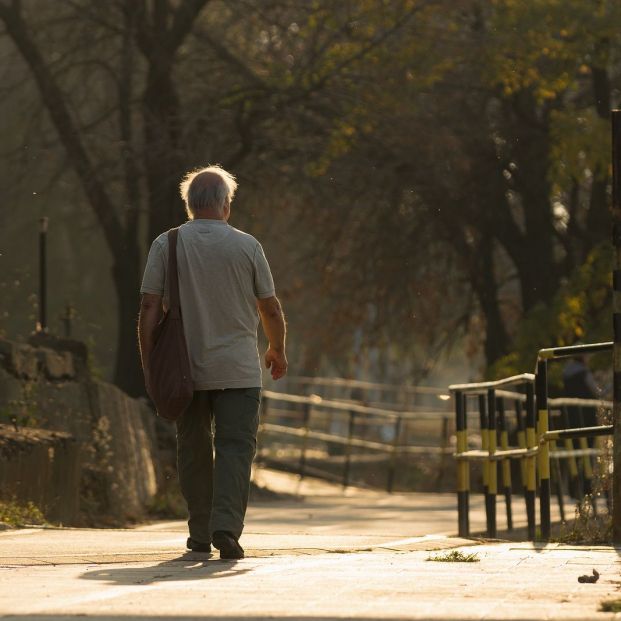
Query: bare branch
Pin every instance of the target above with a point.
(68, 133)
(226, 55)
(183, 20)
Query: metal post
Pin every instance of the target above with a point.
(462, 465)
(305, 425)
(393, 457)
(556, 468)
(531, 470)
(587, 466)
(444, 444)
(42, 323)
(444, 434)
(484, 443)
(492, 475)
(350, 435)
(616, 320)
(467, 468)
(505, 464)
(262, 414)
(572, 462)
(541, 388)
(521, 440)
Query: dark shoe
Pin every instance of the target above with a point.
(197, 546)
(227, 544)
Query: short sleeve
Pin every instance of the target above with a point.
(154, 277)
(263, 281)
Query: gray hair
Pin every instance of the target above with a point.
(209, 188)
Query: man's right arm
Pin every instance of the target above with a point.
(152, 290)
(150, 313)
(273, 322)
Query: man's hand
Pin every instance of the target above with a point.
(277, 362)
(273, 321)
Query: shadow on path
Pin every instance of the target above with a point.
(189, 566)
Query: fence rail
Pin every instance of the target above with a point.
(393, 396)
(391, 423)
(350, 383)
(317, 401)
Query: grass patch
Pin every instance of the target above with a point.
(610, 605)
(588, 528)
(454, 556)
(15, 513)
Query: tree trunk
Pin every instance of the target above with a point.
(121, 241)
(163, 161)
(128, 373)
(485, 287)
(598, 218)
(528, 132)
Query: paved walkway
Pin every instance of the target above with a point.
(328, 556)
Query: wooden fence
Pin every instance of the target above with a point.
(339, 433)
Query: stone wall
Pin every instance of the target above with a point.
(47, 384)
(43, 467)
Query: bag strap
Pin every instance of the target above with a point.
(173, 275)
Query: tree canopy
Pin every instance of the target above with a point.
(420, 171)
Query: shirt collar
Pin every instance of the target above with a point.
(207, 221)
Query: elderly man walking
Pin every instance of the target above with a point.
(224, 278)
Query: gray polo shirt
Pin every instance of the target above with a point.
(222, 271)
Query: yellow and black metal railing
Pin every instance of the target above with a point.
(571, 413)
(543, 427)
(536, 442)
(491, 399)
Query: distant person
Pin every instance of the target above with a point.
(579, 383)
(224, 279)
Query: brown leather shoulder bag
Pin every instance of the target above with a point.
(170, 379)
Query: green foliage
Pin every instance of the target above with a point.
(610, 605)
(378, 144)
(15, 513)
(454, 556)
(580, 311)
(549, 46)
(580, 145)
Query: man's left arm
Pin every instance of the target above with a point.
(150, 313)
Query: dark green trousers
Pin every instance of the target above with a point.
(216, 487)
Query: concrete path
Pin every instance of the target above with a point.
(327, 508)
(328, 556)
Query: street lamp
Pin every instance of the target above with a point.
(42, 323)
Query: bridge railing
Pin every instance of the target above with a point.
(528, 412)
(299, 421)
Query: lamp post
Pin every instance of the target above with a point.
(42, 323)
